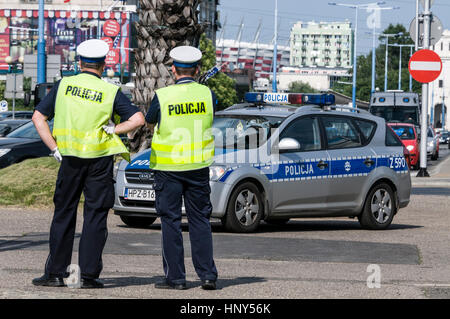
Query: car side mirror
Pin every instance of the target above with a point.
(288, 144)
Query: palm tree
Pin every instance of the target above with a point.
(162, 26)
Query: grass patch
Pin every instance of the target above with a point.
(29, 183)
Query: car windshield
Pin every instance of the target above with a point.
(27, 131)
(243, 132)
(404, 132)
(403, 114)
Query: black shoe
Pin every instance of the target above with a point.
(209, 285)
(49, 281)
(165, 285)
(91, 283)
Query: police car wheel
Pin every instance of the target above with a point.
(379, 208)
(245, 209)
(138, 221)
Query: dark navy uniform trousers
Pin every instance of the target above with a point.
(93, 178)
(193, 187)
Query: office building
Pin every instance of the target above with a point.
(321, 44)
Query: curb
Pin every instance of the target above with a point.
(430, 182)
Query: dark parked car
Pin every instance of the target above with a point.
(7, 126)
(22, 144)
(17, 115)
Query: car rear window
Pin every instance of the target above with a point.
(367, 129)
(404, 132)
(392, 139)
(341, 133)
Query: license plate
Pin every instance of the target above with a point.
(139, 194)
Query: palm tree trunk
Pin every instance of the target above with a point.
(162, 26)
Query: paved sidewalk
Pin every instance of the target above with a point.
(439, 176)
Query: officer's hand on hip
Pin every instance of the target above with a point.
(110, 128)
(57, 155)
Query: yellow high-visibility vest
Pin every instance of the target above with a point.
(183, 139)
(84, 103)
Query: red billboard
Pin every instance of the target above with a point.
(63, 35)
(4, 42)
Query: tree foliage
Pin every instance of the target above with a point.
(364, 67)
(301, 87)
(222, 85)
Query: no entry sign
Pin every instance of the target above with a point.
(425, 66)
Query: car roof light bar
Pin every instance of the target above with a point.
(290, 98)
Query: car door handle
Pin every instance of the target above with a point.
(369, 162)
(322, 165)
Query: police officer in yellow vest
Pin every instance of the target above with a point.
(84, 140)
(181, 152)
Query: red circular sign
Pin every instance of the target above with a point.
(112, 58)
(425, 66)
(111, 28)
(109, 41)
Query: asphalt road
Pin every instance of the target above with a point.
(307, 258)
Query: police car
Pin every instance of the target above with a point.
(282, 156)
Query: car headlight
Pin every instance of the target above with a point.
(410, 148)
(430, 144)
(4, 151)
(216, 172)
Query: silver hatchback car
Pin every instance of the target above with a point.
(274, 162)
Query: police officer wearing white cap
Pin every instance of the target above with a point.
(182, 151)
(84, 139)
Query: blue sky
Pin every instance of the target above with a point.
(291, 11)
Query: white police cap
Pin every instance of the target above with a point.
(93, 50)
(185, 56)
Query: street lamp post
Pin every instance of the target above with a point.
(374, 42)
(41, 67)
(356, 7)
(355, 69)
(410, 76)
(400, 64)
(400, 70)
(423, 172)
(387, 36)
(275, 51)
